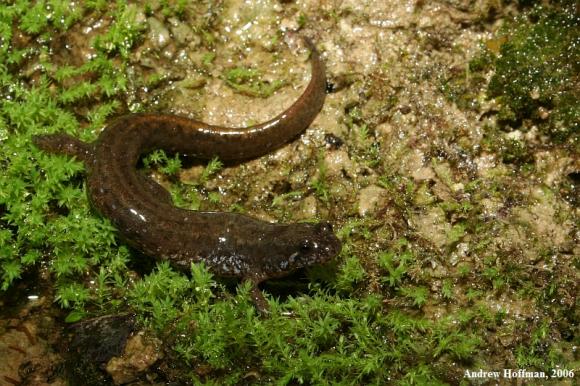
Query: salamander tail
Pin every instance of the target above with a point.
(64, 144)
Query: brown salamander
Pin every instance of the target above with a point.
(229, 244)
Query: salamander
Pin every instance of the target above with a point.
(229, 244)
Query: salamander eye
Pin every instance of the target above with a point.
(306, 246)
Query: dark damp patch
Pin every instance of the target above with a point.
(92, 343)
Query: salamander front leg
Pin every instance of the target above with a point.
(258, 299)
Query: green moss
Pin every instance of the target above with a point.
(396, 263)
(351, 272)
(417, 294)
(123, 32)
(166, 165)
(534, 65)
(327, 340)
(319, 183)
(247, 81)
(34, 184)
(173, 8)
(456, 233)
(369, 320)
(302, 19)
(447, 290)
(464, 90)
(537, 68)
(366, 149)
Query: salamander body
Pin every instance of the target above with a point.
(229, 244)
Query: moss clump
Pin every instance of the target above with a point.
(247, 81)
(35, 186)
(329, 339)
(536, 72)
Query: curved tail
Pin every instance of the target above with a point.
(65, 144)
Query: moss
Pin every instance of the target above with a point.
(396, 263)
(51, 184)
(320, 183)
(464, 90)
(350, 273)
(247, 81)
(534, 65)
(537, 68)
(329, 339)
(396, 308)
(123, 33)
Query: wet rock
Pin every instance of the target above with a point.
(369, 199)
(423, 173)
(491, 207)
(486, 164)
(339, 162)
(182, 32)
(26, 357)
(423, 196)
(289, 24)
(332, 141)
(138, 356)
(432, 226)
(543, 220)
(309, 208)
(92, 344)
(554, 166)
(158, 34)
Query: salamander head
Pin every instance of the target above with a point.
(300, 245)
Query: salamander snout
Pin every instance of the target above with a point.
(322, 244)
(324, 227)
(296, 246)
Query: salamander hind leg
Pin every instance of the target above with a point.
(259, 300)
(64, 144)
